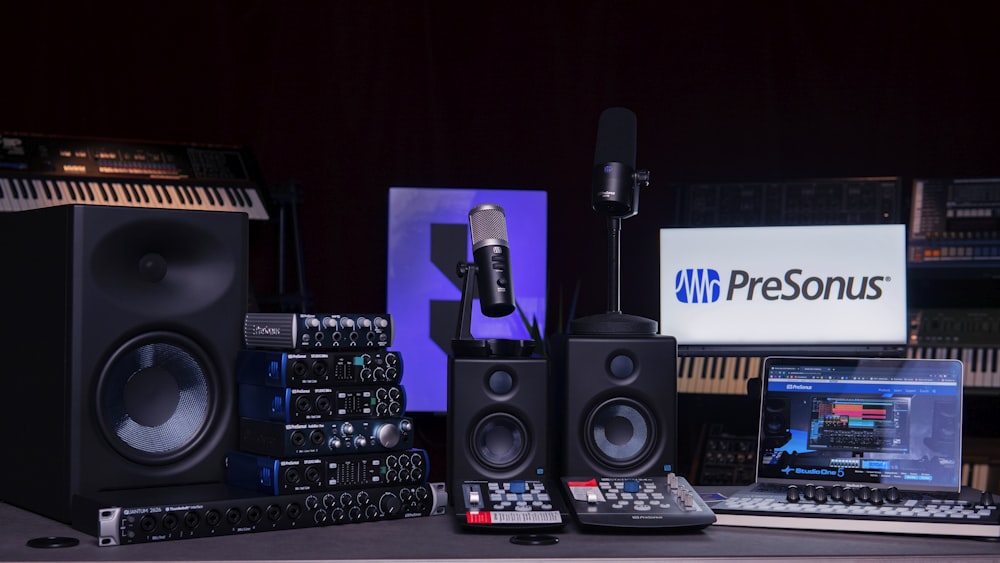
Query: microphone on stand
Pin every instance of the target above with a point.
(488, 228)
(614, 175)
(615, 194)
(490, 273)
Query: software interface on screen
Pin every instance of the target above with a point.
(889, 422)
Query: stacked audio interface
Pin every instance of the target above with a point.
(322, 412)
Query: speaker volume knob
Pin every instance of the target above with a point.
(388, 435)
(389, 504)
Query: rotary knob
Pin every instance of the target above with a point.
(892, 495)
(354, 514)
(792, 494)
(388, 435)
(390, 505)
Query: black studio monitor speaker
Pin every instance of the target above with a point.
(498, 419)
(776, 423)
(121, 328)
(618, 407)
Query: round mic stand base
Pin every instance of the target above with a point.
(613, 324)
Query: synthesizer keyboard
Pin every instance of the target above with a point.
(971, 513)
(40, 171)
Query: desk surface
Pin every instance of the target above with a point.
(439, 538)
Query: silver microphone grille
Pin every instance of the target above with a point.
(487, 225)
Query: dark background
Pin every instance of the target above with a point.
(349, 98)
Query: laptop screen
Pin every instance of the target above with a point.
(861, 421)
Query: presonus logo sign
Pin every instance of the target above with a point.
(697, 285)
(838, 284)
(704, 285)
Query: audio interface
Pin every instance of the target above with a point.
(318, 369)
(296, 331)
(325, 438)
(175, 513)
(320, 404)
(276, 476)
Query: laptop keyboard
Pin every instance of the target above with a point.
(861, 509)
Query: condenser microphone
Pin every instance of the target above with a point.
(491, 255)
(614, 175)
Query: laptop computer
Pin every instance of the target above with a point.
(861, 444)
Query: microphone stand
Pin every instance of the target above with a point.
(614, 322)
(464, 345)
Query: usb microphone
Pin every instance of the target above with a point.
(491, 253)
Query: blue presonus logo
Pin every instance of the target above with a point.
(697, 285)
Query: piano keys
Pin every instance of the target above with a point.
(969, 335)
(979, 364)
(724, 375)
(22, 194)
(716, 375)
(43, 171)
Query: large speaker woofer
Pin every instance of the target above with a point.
(499, 441)
(156, 397)
(620, 432)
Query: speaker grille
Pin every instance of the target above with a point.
(499, 441)
(620, 432)
(155, 397)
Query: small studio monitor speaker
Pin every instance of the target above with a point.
(497, 420)
(618, 407)
(120, 333)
